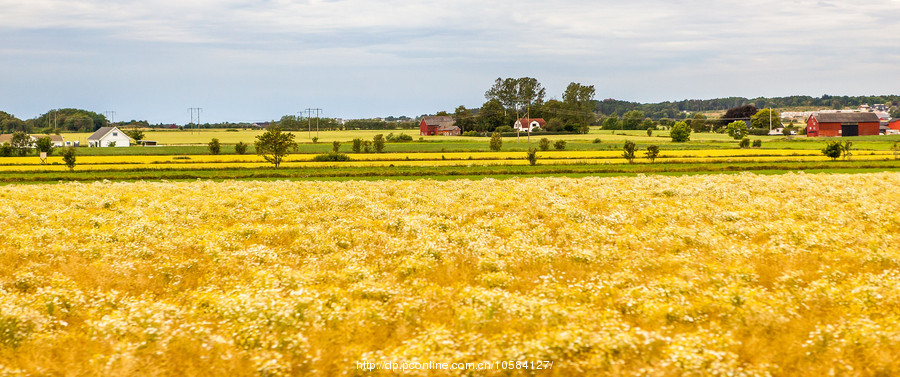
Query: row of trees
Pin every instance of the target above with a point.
(512, 98)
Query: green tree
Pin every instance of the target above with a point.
(895, 112)
(21, 143)
(464, 119)
(512, 93)
(832, 149)
(273, 145)
(745, 143)
(845, 149)
(579, 102)
(491, 116)
(6, 150)
(652, 152)
(680, 132)
(378, 143)
(335, 146)
(532, 156)
(761, 119)
(544, 144)
(44, 144)
(68, 155)
(649, 132)
(757, 143)
(628, 150)
(214, 146)
(559, 145)
(135, 134)
(737, 130)
(496, 141)
(357, 145)
(611, 123)
(240, 147)
(698, 123)
(632, 120)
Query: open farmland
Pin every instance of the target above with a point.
(707, 275)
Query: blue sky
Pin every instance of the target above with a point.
(259, 60)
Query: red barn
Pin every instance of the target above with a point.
(433, 125)
(842, 124)
(894, 124)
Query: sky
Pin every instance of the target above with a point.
(247, 61)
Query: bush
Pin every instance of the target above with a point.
(652, 152)
(745, 142)
(214, 146)
(367, 146)
(240, 147)
(357, 145)
(44, 144)
(6, 150)
(628, 150)
(335, 146)
(597, 141)
(315, 140)
(68, 155)
(378, 143)
(737, 130)
(470, 133)
(544, 144)
(399, 138)
(757, 143)
(503, 129)
(759, 131)
(532, 156)
(496, 141)
(832, 149)
(649, 132)
(559, 145)
(680, 132)
(331, 156)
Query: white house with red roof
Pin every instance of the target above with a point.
(529, 124)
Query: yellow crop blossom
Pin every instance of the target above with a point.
(651, 275)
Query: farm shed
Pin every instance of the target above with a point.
(106, 136)
(435, 125)
(529, 124)
(55, 140)
(842, 124)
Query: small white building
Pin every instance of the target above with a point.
(529, 124)
(106, 136)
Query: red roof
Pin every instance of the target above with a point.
(527, 121)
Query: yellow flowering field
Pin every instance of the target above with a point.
(724, 275)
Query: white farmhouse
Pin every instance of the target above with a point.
(108, 135)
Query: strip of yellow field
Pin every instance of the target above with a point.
(58, 166)
(475, 156)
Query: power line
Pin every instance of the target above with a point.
(196, 110)
(309, 121)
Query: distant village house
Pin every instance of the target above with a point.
(529, 124)
(438, 125)
(109, 136)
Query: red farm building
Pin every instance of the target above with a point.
(894, 124)
(438, 125)
(842, 124)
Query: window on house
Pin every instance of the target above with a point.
(115, 134)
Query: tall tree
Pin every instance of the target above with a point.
(274, 144)
(579, 103)
(491, 116)
(512, 93)
(464, 119)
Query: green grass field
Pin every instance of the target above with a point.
(195, 162)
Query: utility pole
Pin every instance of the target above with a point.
(192, 111)
(110, 117)
(309, 121)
